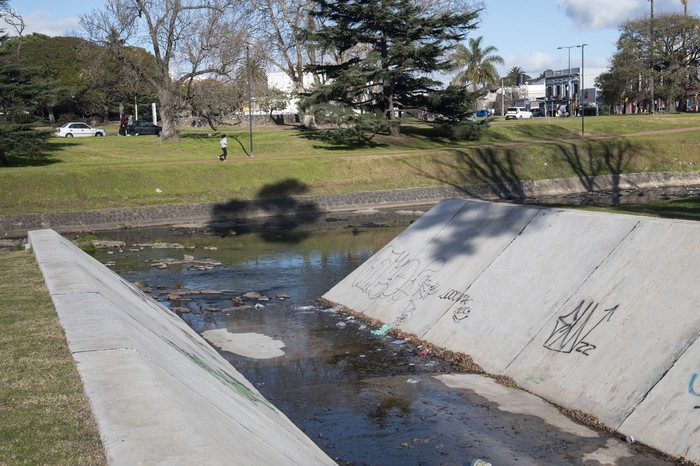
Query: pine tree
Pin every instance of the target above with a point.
(19, 137)
(387, 50)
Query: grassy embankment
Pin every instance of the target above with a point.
(93, 173)
(44, 415)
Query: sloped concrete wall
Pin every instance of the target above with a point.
(159, 392)
(595, 312)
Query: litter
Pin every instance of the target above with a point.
(382, 331)
(398, 342)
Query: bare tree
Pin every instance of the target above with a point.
(188, 39)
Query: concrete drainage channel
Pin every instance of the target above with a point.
(151, 316)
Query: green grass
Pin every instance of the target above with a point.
(94, 173)
(682, 209)
(45, 417)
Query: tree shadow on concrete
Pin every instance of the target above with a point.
(280, 215)
(496, 173)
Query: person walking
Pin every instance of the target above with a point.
(224, 144)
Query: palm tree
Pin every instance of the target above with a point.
(685, 7)
(477, 64)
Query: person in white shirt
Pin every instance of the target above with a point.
(224, 144)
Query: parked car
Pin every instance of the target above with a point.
(78, 129)
(139, 127)
(517, 113)
(537, 112)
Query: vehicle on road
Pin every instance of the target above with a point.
(140, 127)
(517, 113)
(78, 129)
(537, 112)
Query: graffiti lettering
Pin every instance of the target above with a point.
(572, 330)
(691, 385)
(396, 276)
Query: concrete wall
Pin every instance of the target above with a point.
(159, 392)
(595, 312)
(628, 185)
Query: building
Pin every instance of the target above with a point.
(563, 94)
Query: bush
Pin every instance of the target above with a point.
(347, 125)
(464, 130)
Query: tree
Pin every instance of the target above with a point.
(388, 50)
(19, 92)
(188, 39)
(642, 67)
(478, 64)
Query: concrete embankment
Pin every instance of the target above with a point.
(619, 187)
(160, 394)
(593, 312)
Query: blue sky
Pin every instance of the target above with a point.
(525, 32)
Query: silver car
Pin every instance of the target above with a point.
(78, 129)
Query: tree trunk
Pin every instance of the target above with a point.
(3, 159)
(167, 115)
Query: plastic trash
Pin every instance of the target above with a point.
(399, 342)
(341, 325)
(382, 331)
(480, 462)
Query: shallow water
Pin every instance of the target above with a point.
(365, 399)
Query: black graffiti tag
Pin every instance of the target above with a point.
(572, 330)
(462, 298)
(395, 276)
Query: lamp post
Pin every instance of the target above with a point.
(250, 100)
(581, 91)
(568, 93)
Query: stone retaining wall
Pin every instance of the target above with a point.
(16, 226)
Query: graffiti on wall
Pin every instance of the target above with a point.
(691, 387)
(462, 300)
(572, 332)
(397, 276)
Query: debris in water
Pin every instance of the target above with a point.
(382, 331)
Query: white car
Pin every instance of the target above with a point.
(78, 129)
(516, 113)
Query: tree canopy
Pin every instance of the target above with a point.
(477, 63)
(386, 51)
(187, 38)
(654, 65)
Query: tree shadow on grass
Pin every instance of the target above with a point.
(596, 158)
(324, 143)
(282, 216)
(485, 172)
(44, 157)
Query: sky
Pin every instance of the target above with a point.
(525, 32)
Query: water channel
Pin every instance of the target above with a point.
(364, 398)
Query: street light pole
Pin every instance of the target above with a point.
(581, 91)
(568, 93)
